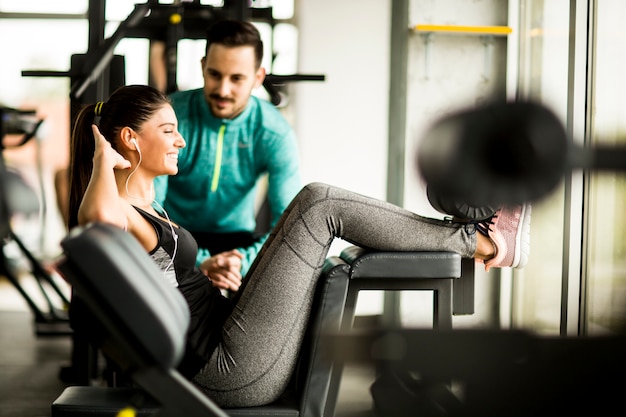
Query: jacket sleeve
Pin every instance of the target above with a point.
(202, 254)
(250, 253)
(284, 180)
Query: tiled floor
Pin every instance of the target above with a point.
(29, 366)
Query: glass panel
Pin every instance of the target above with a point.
(49, 96)
(543, 62)
(49, 52)
(136, 57)
(286, 49)
(607, 197)
(188, 67)
(281, 9)
(43, 6)
(118, 10)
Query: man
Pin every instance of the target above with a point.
(233, 139)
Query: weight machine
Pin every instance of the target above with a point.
(53, 319)
(97, 73)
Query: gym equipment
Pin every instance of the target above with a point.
(141, 322)
(501, 153)
(167, 23)
(142, 328)
(446, 274)
(16, 196)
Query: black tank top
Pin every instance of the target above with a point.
(207, 306)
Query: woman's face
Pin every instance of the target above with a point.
(159, 142)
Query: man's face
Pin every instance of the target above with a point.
(230, 75)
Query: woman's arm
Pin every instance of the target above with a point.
(102, 201)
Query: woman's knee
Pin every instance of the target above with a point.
(314, 191)
(311, 194)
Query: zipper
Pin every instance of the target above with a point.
(218, 159)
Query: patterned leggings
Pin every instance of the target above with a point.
(262, 337)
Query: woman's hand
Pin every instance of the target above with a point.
(224, 269)
(105, 153)
(101, 201)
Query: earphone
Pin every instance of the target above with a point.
(154, 202)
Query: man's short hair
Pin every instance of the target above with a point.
(232, 33)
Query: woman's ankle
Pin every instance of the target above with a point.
(485, 248)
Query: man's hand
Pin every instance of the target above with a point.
(224, 269)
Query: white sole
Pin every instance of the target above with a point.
(522, 238)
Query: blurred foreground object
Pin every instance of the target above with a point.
(504, 153)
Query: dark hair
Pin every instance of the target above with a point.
(128, 106)
(233, 33)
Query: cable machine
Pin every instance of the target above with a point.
(95, 74)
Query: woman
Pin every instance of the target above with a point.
(242, 351)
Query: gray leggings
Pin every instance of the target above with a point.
(262, 336)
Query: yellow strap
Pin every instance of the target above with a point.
(98, 109)
(218, 159)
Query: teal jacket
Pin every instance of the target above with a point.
(216, 185)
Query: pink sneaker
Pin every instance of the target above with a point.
(509, 229)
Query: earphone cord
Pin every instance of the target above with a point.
(169, 222)
(131, 174)
(174, 235)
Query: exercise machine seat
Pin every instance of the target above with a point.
(449, 276)
(140, 321)
(102, 261)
